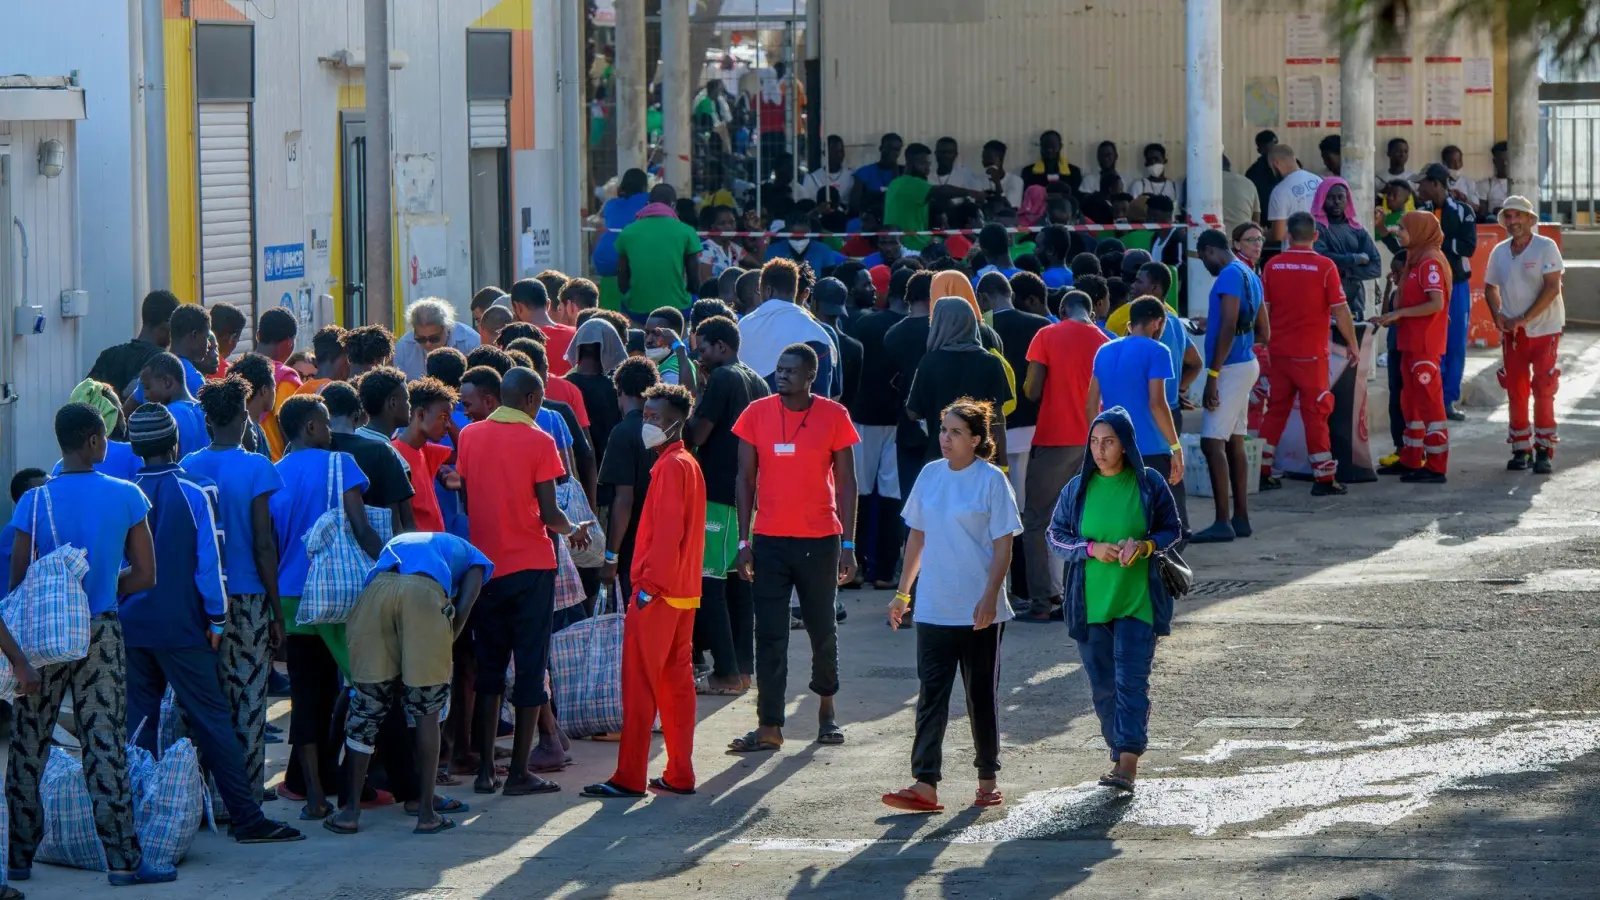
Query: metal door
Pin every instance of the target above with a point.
(353, 160)
(491, 250)
(8, 302)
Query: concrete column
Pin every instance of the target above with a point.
(1522, 115)
(631, 85)
(378, 294)
(677, 92)
(1203, 99)
(1358, 120)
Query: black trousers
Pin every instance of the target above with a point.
(879, 538)
(808, 567)
(1397, 384)
(941, 649)
(314, 686)
(725, 625)
(1163, 463)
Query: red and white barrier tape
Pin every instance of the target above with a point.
(1205, 221)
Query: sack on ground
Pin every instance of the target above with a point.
(339, 566)
(167, 813)
(48, 613)
(586, 673)
(70, 838)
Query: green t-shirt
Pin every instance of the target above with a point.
(905, 208)
(1112, 512)
(1136, 240)
(655, 248)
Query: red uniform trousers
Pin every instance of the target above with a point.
(1530, 364)
(1426, 443)
(657, 675)
(1308, 380)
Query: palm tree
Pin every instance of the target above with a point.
(1571, 26)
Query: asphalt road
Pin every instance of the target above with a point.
(1390, 692)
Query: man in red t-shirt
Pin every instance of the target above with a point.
(1302, 289)
(418, 444)
(797, 486)
(1060, 365)
(1422, 322)
(510, 468)
(530, 302)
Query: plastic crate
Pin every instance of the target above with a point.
(1197, 475)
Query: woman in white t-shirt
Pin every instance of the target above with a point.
(963, 517)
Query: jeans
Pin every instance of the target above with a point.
(941, 649)
(810, 568)
(1117, 658)
(1454, 362)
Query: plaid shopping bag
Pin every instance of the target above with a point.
(70, 838)
(338, 564)
(569, 585)
(586, 673)
(168, 812)
(575, 504)
(48, 613)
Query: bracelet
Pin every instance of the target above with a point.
(744, 545)
(1214, 373)
(215, 628)
(847, 545)
(676, 346)
(903, 597)
(1177, 447)
(611, 557)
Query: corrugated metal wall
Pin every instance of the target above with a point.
(1091, 69)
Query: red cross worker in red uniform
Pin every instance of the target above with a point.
(1421, 319)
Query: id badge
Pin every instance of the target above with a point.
(783, 449)
(1052, 177)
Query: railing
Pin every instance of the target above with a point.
(1569, 163)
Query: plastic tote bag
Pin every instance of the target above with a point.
(575, 504)
(338, 564)
(586, 673)
(48, 613)
(70, 838)
(169, 803)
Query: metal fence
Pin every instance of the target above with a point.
(1569, 163)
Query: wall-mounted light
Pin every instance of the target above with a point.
(52, 157)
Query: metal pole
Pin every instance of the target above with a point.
(1203, 98)
(1522, 115)
(379, 170)
(1357, 120)
(631, 85)
(155, 146)
(676, 93)
(139, 229)
(756, 132)
(574, 174)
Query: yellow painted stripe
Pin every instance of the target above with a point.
(182, 176)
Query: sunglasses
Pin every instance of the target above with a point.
(433, 339)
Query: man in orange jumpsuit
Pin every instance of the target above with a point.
(1302, 290)
(1421, 318)
(658, 640)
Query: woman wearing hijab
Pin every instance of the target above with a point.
(595, 352)
(1111, 519)
(1343, 240)
(1420, 318)
(951, 283)
(1034, 204)
(121, 461)
(956, 366)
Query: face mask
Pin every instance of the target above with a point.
(1454, 174)
(1154, 170)
(653, 435)
(800, 244)
(657, 354)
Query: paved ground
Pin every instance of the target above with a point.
(1419, 662)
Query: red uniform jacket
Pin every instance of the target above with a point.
(669, 551)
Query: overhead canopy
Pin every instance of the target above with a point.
(25, 98)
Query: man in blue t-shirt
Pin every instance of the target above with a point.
(191, 342)
(163, 380)
(1133, 372)
(1232, 328)
(872, 179)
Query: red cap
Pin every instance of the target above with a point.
(880, 281)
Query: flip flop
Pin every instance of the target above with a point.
(534, 785)
(706, 690)
(751, 743)
(443, 804)
(606, 790)
(445, 824)
(494, 787)
(306, 815)
(989, 798)
(908, 800)
(1113, 780)
(660, 784)
(278, 834)
(830, 735)
(334, 826)
(445, 779)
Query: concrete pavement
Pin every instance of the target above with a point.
(1393, 691)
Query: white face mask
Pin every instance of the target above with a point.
(800, 244)
(1454, 174)
(653, 435)
(1154, 170)
(657, 354)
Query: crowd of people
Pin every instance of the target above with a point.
(745, 443)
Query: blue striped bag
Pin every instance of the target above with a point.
(48, 613)
(586, 673)
(338, 564)
(69, 838)
(168, 811)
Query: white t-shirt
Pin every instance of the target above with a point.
(961, 514)
(960, 176)
(1495, 190)
(1143, 186)
(1520, 278)
(1293, 194)
(842, 181)
(1010, 188)
(1468, 187)
(1383, 179)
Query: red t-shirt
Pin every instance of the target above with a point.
(556, 340)
(1424, 335)
(794, 484)
(222, 371)
(501, 462)
(1066, 350)
(1302, 287)
(424, 465)
(564, 391)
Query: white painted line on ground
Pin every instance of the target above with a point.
(1265, 723)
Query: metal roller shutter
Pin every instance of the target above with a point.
(487, 123)
(227, 246)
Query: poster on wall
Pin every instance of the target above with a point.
(1330, 101)
(1396, 106)
(1302, 96)
(425, 269)
(538, 210)
(1478, 72)
(1261, 101)
(1305, 39)
(1445, 93)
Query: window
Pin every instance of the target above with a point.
(488, 65)
(224, 61)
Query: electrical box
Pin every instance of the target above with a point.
(29, 320)
(74, 304)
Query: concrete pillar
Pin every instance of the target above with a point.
(631, 85)
(677, 92)
(1358, 120)
(1522, 115)
(379, 170)
(1203, 100)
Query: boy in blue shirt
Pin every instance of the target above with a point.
(417, 599)
(245, 483)
(24, 481)
(104, 517)
(173, 628)
(191, 343)
(163, 382)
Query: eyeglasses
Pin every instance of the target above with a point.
(430, 339)
(1258, 239)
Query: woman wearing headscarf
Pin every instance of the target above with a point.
(1034, 205)
(1343, 240)
(120, 461)
(596, 350)
(1110, 520)
(1420, 318)
(956, 366)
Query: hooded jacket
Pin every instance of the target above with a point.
(1341, 242)
(1160, 512)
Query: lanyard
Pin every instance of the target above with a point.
(783, 420)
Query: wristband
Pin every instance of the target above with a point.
(903, 597)
(1177, 447)
(1006, 469)
(676, 346)
(611, 557)
(216, 628)
(847, 545)
(1214, 373)
(744, 545)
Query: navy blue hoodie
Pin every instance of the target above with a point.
(1160, 511)
(190, 593)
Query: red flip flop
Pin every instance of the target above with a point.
(910, 801)
(989, 798)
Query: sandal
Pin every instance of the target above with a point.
(492, 786)
(607, 790)
(660, 784)
(445, 779)
(1113, 780)
(830, 735)
(278, 833)
(752, 743)
(336, 827)
(908, 800)
(307, 814)
(704, 689)
(533, 785)
(989, 798)
(10, 893)
(443, 804)
(444, 824)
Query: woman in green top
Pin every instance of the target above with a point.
(1111, 519)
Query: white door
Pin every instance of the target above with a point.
(227, 244)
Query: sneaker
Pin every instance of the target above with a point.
(1424, 476)
(1269, 483)
(1541, 463)
(1393, 459)
(1328, 489)
(1453, 414)
(1519, 461)
(1218, 533)
(1394, 469)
